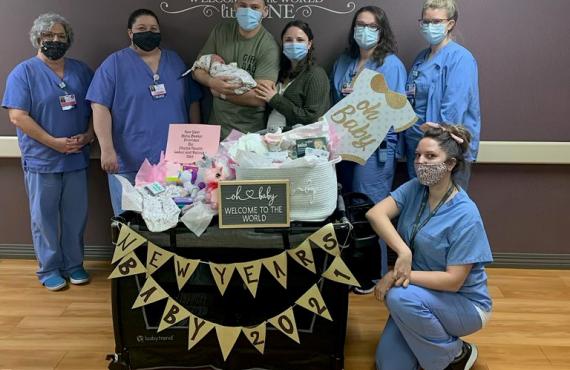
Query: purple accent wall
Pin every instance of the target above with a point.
(524, 78)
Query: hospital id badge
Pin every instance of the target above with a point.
(67, 102)
(346, 89)
(157, 91)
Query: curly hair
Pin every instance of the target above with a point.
(44, 23)
(453, 149)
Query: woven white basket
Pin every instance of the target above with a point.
(314, 190)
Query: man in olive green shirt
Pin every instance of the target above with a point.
(247, 43)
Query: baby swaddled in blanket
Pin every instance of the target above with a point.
(216, 67)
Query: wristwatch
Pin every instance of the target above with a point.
(223, 96)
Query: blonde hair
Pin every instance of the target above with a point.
(449, 5)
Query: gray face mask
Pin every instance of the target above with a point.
(430, 173)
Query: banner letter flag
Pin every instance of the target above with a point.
(227, 337)
(338, 271)
(222, 274)
(129, 265)
(277, 266)
(197, 329)
(313, 301)
(156, 257)
(249, 272)
(256, 336)
(285, 322)
(303, 255)
(173, 313)
(184, 269)
(127, 242)
(151, 292)
(325, 238)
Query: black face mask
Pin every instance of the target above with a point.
(147, 40)
(54, 50)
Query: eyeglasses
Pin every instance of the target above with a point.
(371, 27)
(426, 22)
(50, 36)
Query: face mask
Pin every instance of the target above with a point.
(147, 41)
(434, 33)
(365, 37)
(295, 51)
(430, 173)
(54, 50)
(248, 19)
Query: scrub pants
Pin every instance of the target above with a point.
(116, 190)
(424, 328)
(461, 178)
(375, 179)
(58, 209)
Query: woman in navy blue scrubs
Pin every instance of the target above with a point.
(136, 93)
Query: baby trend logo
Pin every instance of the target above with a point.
(283, 9)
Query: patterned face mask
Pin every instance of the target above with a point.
(430, 173)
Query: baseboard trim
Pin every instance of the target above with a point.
(513, 260)
(26, 251)
(532, 260)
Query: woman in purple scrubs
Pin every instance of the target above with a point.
(45, 98)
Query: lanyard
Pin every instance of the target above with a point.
(62, 85)
(417, 226)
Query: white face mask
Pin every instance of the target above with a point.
(430, 173)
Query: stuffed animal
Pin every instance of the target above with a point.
(217, 172)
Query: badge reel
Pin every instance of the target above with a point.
(67, 101)
(411, 88)
(158, 91)
(347, 88)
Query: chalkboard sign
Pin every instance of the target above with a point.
(253, 203)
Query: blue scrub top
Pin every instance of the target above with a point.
(33, 87)
(453, 236)
(393, 70)
(446, 91)
(139, 121)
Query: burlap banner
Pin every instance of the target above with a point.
(312, 300)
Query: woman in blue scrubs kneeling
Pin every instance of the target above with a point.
(136, 93)
(45, 98)
(437, 291)
(443, 83)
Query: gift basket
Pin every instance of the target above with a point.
(167, 193)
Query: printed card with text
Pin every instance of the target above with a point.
(187, 143)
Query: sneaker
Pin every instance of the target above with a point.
(55, 283)
(466, 359)
(366, 288)
(79, 277)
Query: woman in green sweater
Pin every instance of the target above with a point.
(301, 95)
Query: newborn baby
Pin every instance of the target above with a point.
(216, 67)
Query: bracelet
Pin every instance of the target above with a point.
(223, 96)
